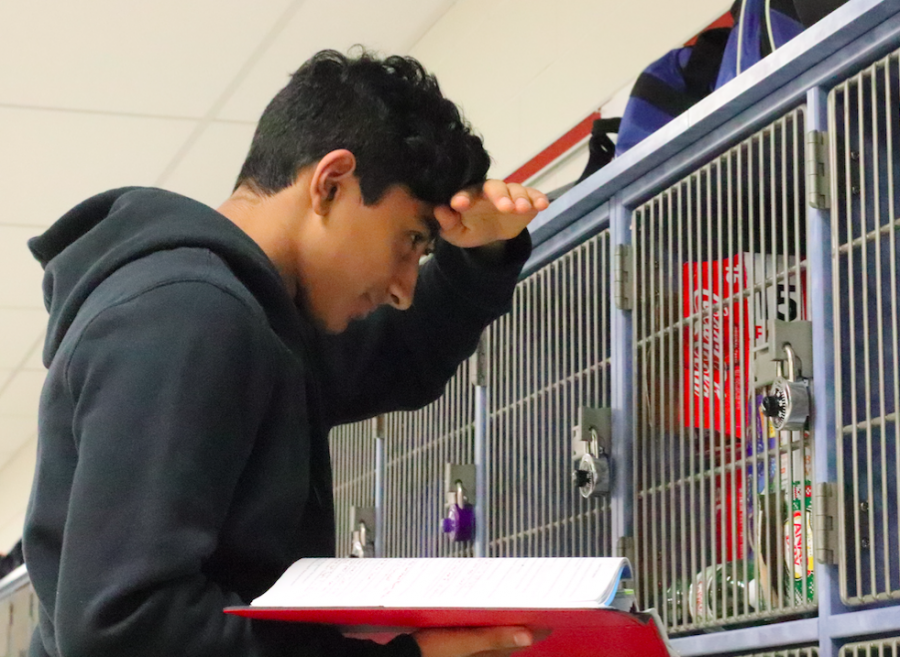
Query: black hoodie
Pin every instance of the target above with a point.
(183, 458)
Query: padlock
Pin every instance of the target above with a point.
(363, 543)
(459, 523)
(592, 476)
(788, 405)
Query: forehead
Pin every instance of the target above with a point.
(415, 214)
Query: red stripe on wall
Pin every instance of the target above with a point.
(725, 20)
(554, 150)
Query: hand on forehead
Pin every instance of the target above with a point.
(498, 211)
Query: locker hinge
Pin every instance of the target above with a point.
(825, 504)
(622, 282)
(817, 173)
(478, 364)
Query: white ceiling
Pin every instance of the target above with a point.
(96, 94)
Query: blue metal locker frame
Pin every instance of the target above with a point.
(803, 71)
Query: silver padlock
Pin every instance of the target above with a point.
(363, 543)
(789, 404)
(592, 476)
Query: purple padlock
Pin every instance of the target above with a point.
(460, 521)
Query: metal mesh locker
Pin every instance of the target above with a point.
(865, 198)
(723, 516)
(546, 358)
(792, 652)
(18, 616)
(883, 648)
(353, 462)
(418, 445)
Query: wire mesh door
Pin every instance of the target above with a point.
(353, 464)
(865, 148)
(882, 648)
(546, 359)
(787, 652)
(418, 445)
(723, 502)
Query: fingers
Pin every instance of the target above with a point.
(498, 211)
(462, 200)
(539, 200)
(513, 197)
(464, 642)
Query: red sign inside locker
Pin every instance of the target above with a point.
(719, 335)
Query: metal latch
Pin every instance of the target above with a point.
(459, 521)
(825, 504)
(362, 524)
(817, 173)
(591, 440)
(622, 281)
(769, 355)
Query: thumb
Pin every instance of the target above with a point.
(462, 200)
(448, 218)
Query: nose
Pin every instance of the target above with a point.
(403, 284)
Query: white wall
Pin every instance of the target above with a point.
(15, 487)
(526, 71)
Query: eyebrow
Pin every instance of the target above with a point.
(431, 225)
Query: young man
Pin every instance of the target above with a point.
(197, 360)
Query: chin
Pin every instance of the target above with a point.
(334, 325)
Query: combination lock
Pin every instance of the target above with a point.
(788, 406)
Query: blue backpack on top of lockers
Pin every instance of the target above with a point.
(760, 28)
(670, 85)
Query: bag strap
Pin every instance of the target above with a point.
(702, 67)
(785, 7)
(812, 11)
(601, 148)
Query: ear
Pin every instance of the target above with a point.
(331, 179)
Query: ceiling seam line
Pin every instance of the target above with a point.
(127, 115)
(423, 33)
(21, 366)
(229, 91)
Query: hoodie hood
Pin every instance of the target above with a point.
(112, 229)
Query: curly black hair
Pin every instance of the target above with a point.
(390, 113)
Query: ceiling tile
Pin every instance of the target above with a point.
(20, 272)
(167, 57)
(20, 331)
(35, 358)
(19, 398)
(11, 529)
(15, 432)
(53, 160)
(16, 474)
(208, 171)
(388, 26)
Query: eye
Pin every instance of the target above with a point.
(421, 242)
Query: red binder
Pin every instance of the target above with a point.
(575, 632)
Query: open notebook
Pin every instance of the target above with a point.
(585, 601)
